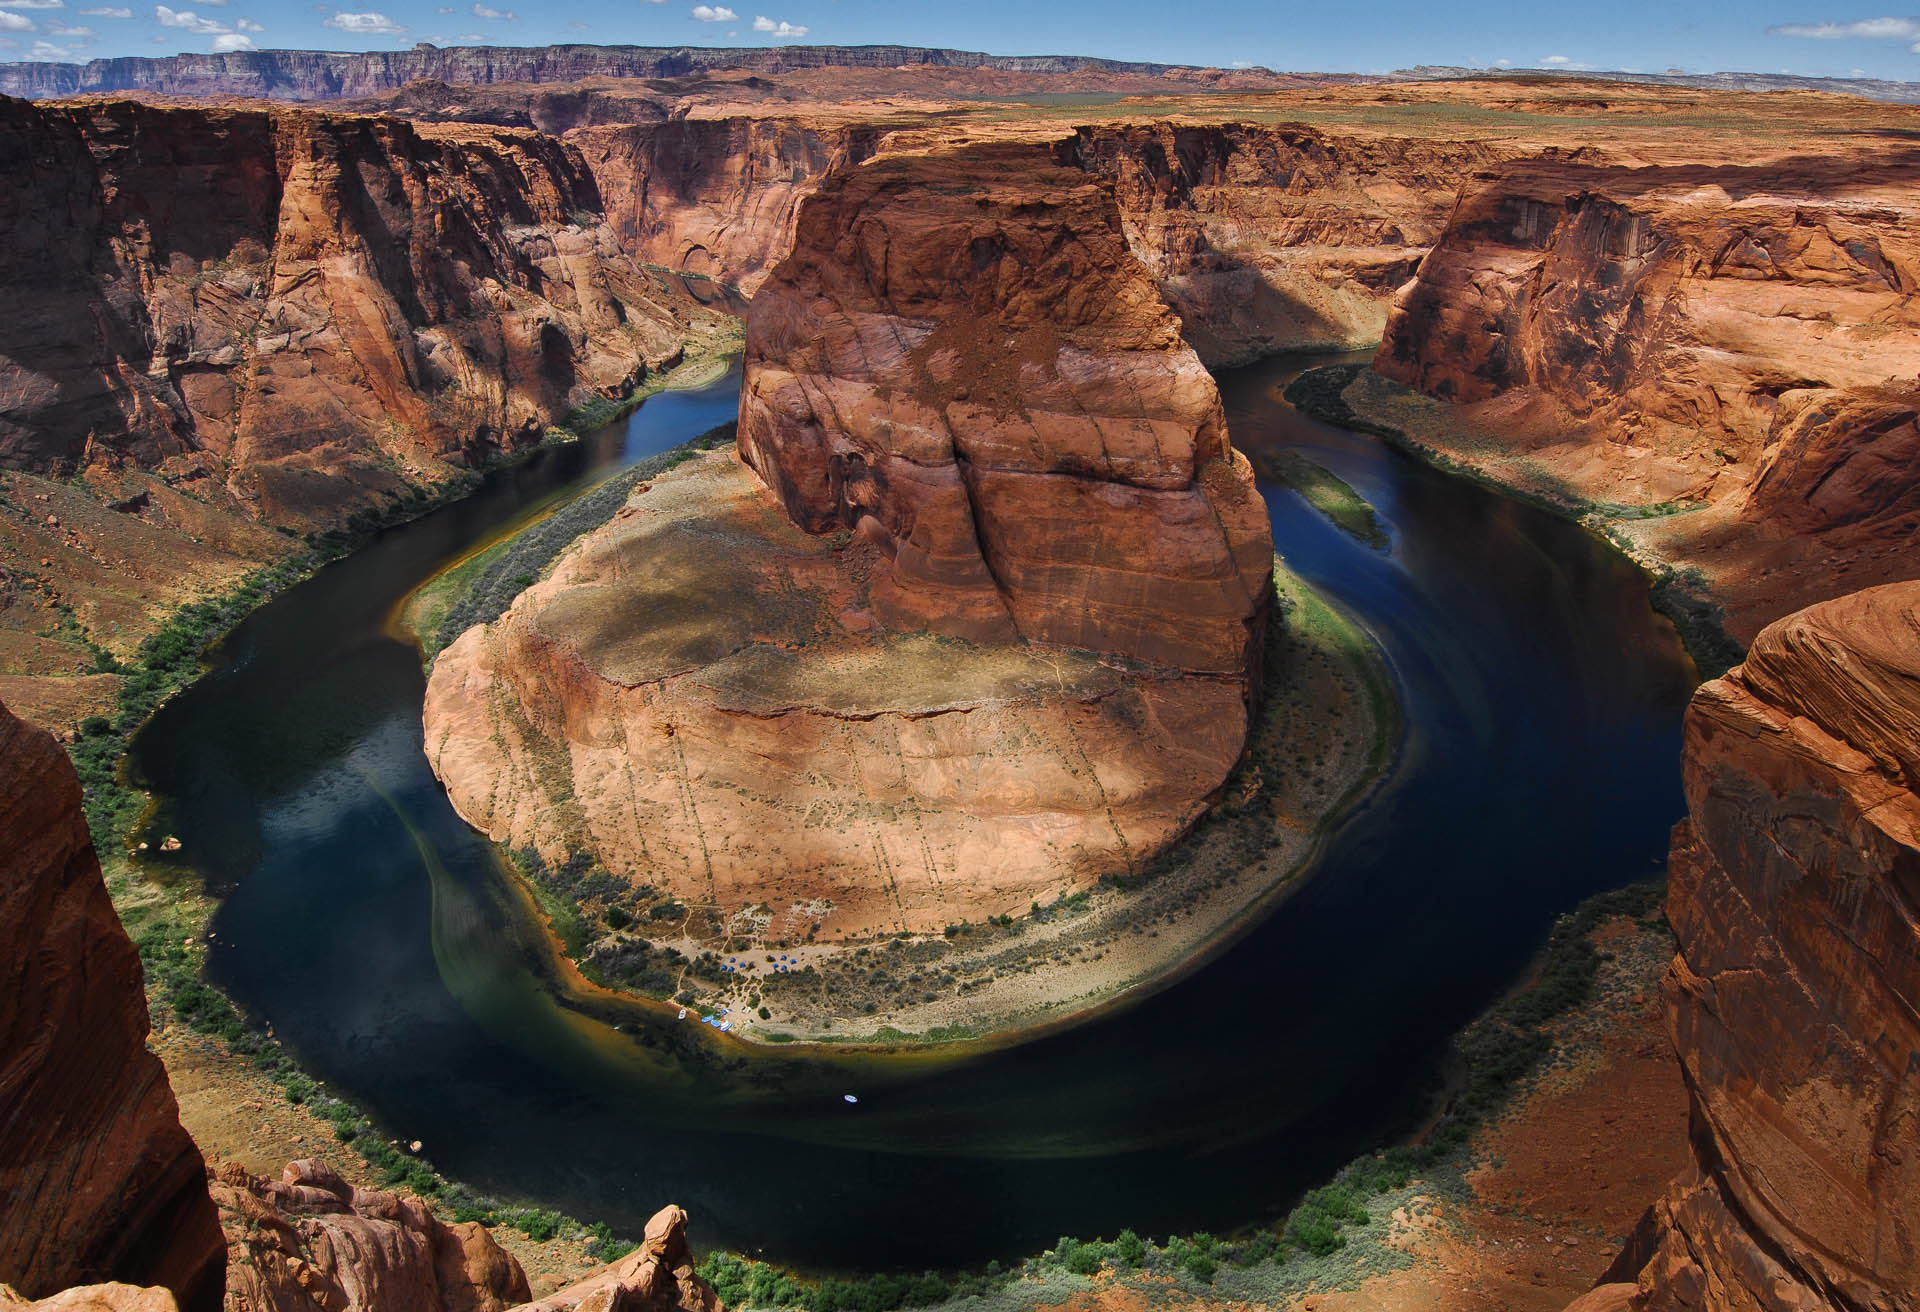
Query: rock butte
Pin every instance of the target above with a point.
(864, 737)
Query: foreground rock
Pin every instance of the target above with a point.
(1795, 999)
(310, 1240)
(962, 363)
(100, 1182)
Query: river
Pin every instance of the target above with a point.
(379, 936)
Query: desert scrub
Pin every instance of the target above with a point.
(479, 590)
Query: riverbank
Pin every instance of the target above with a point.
(233, 1066)
(1352, 396)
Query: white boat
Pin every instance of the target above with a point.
(849, 1097)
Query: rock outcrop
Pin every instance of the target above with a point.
(1712, 331)
(1278, 238)
(311, 1242)
(702, 697)
(962, 362)
(100, 1181)
(993, 608)
(1794, 1001)
(301, 313)
(715, 197)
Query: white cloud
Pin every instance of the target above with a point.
(187, 21)
(714, 14)
(48, 50)
(486, 11)
(783, 30)
(1867, 29)
(33, 4)
(232, 42)
(473, 39)
(368, 24)
(248, 25)
(72, 33)
(12, 22)
(1554, 61)
(109, 11)
(444, 9)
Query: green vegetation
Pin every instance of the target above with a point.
(479, 589)
(1327, 493)
(1684, 596)
(1489, 1061)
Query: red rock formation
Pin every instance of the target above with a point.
(311, 1242)
(317, 311)
(1794, 1001)
(962, 362)
(112, 1297)
(716, 197)
(1712, 332)
(100, 1181)
(779, 759)
(1277, 238)
(658, 1276)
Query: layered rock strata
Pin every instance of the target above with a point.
(962, 363)
(1278, 238)
(100, 1181)
(715, 197)
(303, 314)
(1722, 325)
(1794, 1001)
(321, 75)
(991, 609)
(704, 698)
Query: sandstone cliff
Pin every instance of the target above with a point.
(1278, 238)
(1794, 1001)
(714, 197)
(1737, 338)
(311, 1242)
(962, 362)
(100, 1181)
(303, 313)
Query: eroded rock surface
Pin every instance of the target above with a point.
(99, 1180)
(1794, 1001)
(311, 1242)
(963, 363)
(1278, 238)
(303, 313)
(703, 697)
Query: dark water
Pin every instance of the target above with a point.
(377, 934)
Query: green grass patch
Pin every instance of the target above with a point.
(1327, 493)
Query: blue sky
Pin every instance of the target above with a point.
(1362, 36)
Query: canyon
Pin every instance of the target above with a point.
(969, 327)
